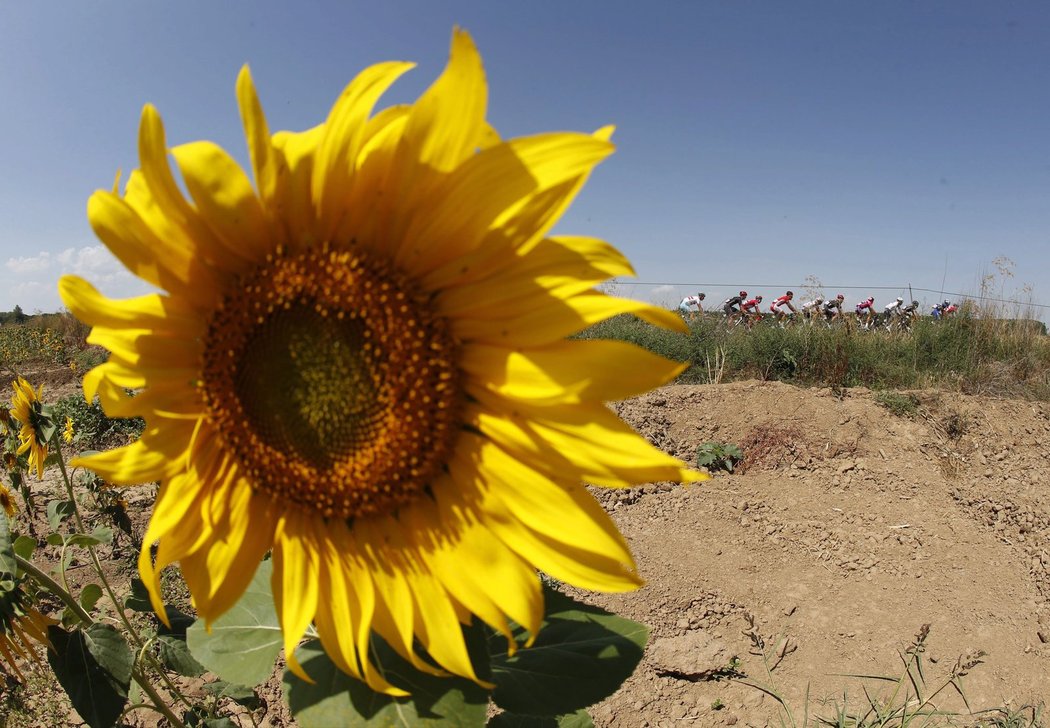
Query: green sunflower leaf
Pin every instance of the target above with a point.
(339, 699)
(94, 667)
(101, 535)
(579, 719)
(582, 655)
(58, 511)
(244, 641)
(24, 546)
(138, 599)
(89, 596)
(176, 656)
(237, 693)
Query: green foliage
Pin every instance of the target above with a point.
(581, 655)
(338, 699)
(977, 355)
(93, 666)
(718, 456)
(244, 642)
(901, 404)
(93, 429)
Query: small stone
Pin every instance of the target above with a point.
(1043, 637)
(788, 611)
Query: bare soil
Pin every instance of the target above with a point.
(845, 529)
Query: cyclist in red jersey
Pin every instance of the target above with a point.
(777, 307)
(751, 311)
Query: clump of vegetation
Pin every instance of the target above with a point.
(956, 424)
(92, 428)
(974, 355)
(902, 404)
(718, 456)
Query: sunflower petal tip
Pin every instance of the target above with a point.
(296, 669)
(694, 476)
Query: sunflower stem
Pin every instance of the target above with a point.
(55, 588)
(70, 601)
(139, 676)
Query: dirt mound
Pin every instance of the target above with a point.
(848, 528)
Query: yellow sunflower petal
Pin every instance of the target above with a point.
(225, 199)
(554, 318)
(248, 534)
(148, 256)
(480, 191)
(488, 579)
(347, 598)
(295, 571)
(146, 349)
(589, 441)
(339, 142)
(257, 132)
(567, 372)
(438, 626)
(292, 202)
(449, 119)
(561, 268)
(152, 311)
(170, 401)
(155, 456)
(443, 128)
(559, 527)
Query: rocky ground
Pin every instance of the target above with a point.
(845, 529)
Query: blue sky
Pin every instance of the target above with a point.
(872, 145)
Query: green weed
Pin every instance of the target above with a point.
(718, 456)
(901, 404)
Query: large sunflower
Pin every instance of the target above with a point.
(361, 364)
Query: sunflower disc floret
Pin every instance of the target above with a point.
(333, 385)
(360, 363)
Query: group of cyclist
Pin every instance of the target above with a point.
(740, 308)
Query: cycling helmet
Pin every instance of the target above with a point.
(900, 300)
(871, 299)
(789, 294)
(946, 303)
(743, 294)
(840, 297)
(914, 303)
(701, 296)
(819, 300)
(758, 298)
